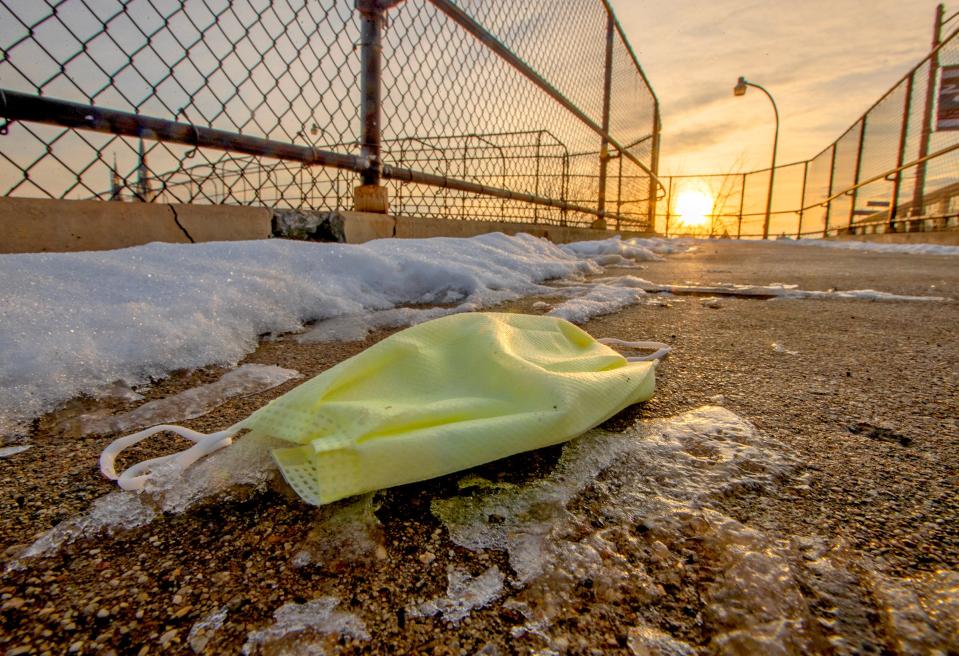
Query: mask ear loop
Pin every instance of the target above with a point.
(660, 350)
(136, 477)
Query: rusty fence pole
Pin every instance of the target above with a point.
(652, 192)
(371, 196)
(854, 194)
(901, 157)
(742, 204)
(604, 143)
(832, 177)
(917, 194)
(802, 198)
(669, 204)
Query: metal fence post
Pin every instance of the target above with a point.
(832, 175)
(669, 204)
(371, 196)
(539, 141)
(855, 181)
(901, 157)
(604, 144)
(742, 203)
(917, 194)
(651, 193)
(802, 198)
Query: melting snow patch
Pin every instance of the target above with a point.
(246, 463)
(108, 514)
(7, 451)
(354, 327)
(597, 299)
(915, 249)
(773, 291)
(612, 252)
(195, 402)
(664, 474)
(646, 641)
(201, 632)
(293, 622)
(463, 594)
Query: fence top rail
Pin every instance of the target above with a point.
(471, 25)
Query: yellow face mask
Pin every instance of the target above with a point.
(430, 400)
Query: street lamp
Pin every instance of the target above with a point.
(740, 90)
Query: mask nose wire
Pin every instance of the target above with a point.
(135, 477)
(660, 350)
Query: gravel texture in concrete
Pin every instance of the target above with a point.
(848, 545)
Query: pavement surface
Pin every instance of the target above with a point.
(850, 548)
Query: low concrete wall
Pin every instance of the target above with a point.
(33, 225)
(417, 227)
(948, 237)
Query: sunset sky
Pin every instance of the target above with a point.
(825, 62)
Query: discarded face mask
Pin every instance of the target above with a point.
(436, 398)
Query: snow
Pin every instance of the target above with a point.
(7, 451)
(194, 402)
(669, 475)
(770, 291)
(292, 621)
(202, 631)
(596, 299)
(463, 594)
(877, 247)
(612, 252)
(78, 322)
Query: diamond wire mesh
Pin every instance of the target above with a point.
(866, 207)
(482, 121)
(869, 148)
(282, 70)
(288, 71)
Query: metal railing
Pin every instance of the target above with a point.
(891, 171)
(475, 109)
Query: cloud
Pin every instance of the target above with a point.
(825, 62)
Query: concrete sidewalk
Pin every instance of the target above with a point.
(851, 547)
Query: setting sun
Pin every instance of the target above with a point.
(694, 208)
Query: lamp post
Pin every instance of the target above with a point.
(740, 90)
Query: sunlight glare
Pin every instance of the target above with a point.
(694, 207)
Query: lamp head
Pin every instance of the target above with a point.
(740, 88)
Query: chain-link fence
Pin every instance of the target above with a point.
(475, 109)
(896, 169)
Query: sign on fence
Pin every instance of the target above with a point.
(947, 118)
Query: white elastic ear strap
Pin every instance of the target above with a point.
(135, 478)
(660, 350)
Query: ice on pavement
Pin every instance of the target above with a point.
(463, 594)
(876, 247)
(201, 632)
(308, 627)
(246, 464)
(773, 290)
(194, 402)
(76, 322)
(666, 474)
(7, 451)
(612, 252)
